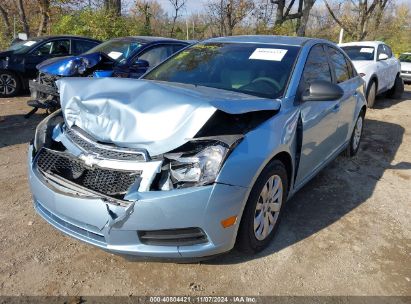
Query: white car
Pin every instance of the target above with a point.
(405, 59)
(376, 64)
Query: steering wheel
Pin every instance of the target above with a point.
(269, 80)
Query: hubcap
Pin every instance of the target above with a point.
(357, 133)
(7, 84)
(268, 207)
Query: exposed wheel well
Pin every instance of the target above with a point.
(285, 158)
(375, 79)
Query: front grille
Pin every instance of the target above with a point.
(173, 237)
(406, 72)
(103, 151)
(110, 182)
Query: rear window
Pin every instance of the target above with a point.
(359, 52)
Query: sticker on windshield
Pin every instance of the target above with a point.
(29, 43)
(268, 54)
(114, 54)
(366, 50)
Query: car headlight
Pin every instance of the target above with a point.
(82, 65)
(44, 128)
(196, 163)
(202, 168)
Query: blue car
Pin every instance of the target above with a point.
(201, 153)
(128, 57)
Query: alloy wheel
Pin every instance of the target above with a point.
(357, 133)
(8, 84)
(268, 207)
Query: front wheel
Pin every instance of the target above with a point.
(356, 136)
(262, 212)
(9, 84)
(371, 94)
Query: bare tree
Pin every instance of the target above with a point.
(283, 11)
(177, 5)
(362, 11)
(23, 19)
(45, 16)
(5, 15)
(229, 13)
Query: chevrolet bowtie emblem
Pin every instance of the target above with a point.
(89, 159)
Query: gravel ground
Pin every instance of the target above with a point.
(347, 232)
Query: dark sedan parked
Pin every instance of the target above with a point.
(126, 57)
(18, 63)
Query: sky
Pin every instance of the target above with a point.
(198, 6)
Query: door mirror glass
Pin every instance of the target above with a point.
(382, 56)
(320, 90)
(141, 64)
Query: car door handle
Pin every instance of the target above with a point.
(336, 108)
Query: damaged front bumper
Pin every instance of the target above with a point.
(179, 223)
(44, 93)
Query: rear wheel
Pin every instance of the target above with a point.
(356, 136)
(371, 94)
(397, 89)
(262, 212)
(9, 84)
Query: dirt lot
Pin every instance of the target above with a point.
(348, 232)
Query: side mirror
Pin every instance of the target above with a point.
(320, 90)
(382, 56)
(141, 64)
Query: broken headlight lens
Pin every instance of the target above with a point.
(201, 168)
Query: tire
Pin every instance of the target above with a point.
(371, 93)
(249, 240)
(356, 136)
(10, 84)
(397, 89)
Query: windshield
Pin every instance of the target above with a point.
(259, 70)
(405, 57)
(23, 46)
(119, 50)
(358, 52)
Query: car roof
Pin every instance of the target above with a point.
(265, 39)
(62, 36)
(362, 43)
(149, 39)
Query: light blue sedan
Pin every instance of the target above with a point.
(202, 153)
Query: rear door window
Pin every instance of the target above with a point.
(82, 46)
(157, 54)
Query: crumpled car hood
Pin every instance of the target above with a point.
(63, 66)
(156, 116)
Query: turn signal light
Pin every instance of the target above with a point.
(228, 222)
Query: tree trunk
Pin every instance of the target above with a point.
(279, 14)
(308, 4)
(45, 16)
(5, 16)
(113, 6)
(23, 18)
